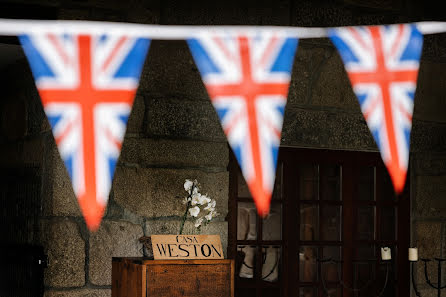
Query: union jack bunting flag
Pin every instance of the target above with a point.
(87, 84)
(382, 63)
(247, 78)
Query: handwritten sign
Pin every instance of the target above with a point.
(176, 247)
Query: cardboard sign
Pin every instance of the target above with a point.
(174, 247)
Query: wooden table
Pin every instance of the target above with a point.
(139, 277)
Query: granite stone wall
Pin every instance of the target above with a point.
(173, 132)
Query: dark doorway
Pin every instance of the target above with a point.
(326, 204)
(23, 261)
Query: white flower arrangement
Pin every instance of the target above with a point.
(198, 206)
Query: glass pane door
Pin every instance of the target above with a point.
(331, 212)
(259, 243)
(320, 211)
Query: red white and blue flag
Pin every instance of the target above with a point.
(247, 77)
(382, 63)
(87, 84)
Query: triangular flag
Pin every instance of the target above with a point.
(87, 84)
(247, 77)
(382, 63)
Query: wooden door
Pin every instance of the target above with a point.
(330, 205)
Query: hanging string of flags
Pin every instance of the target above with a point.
(87, 74)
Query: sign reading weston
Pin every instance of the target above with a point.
(176, 247)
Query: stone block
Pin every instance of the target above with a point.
(96, 4)
(440, 45)
(9, 154)
(307, 13)
(427, 136)
(428, 237)
(27, 151)
(136, 118)
(137, 11)
(328, 14)
(434, 46)
(45, 3)
(183, 119)
(22, 109)
(47, 176)
(306, 65)
(13, 119)
(143, 12)
(170, 71)
(79, 293)
(92, 13)
(108, 14)
(69, 13)
(267, 12)
(430, 49)
(45, 126)
(116, 212)
(323, 129)
(427, 292)
(331, 86)
(429, 163)
(203, 12)
(37, 120)
(113, 239)
(178, 153)
(429, 97)
(156, 192)
(376, 4)
(429, 194)
(33, 151)
(173, 227)
(64, 202)
(274, 12)
(66, 253)
(168, 226)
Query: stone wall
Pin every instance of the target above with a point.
(173, 133)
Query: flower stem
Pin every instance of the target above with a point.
(184, 218)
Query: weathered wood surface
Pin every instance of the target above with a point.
(128, 278)
(155, 278)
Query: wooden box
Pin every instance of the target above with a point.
(138, 277)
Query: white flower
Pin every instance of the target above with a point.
(194, 201)
(211, 205)
(196, 198)
(188, 185)
(203, 199)
(198, 222)
(194, 211)
(211, 214)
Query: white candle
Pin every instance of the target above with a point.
(413, 254)
(386, 253)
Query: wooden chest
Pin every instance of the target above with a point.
(137, 277)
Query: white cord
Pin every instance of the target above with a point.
(168, 32)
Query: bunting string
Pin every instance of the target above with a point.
(14, 27)
(87, 74)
